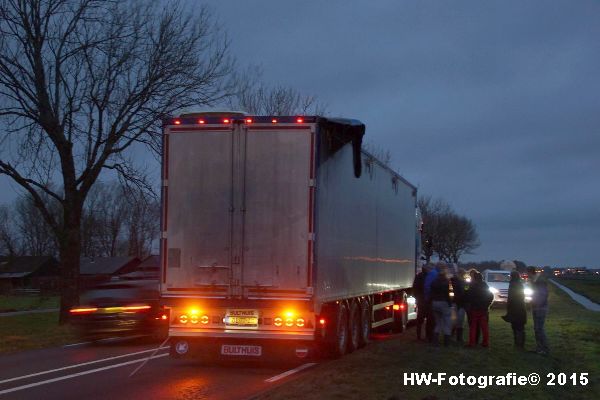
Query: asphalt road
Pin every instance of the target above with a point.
(101, 371)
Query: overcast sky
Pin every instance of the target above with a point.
(492, 106)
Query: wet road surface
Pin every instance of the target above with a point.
(101, 370)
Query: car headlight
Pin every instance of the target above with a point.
(528, 291)
(494, 290)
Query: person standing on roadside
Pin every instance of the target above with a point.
(480, 299)
(419, 293)
(458, 288)
(430, 323)
(440, 305)
(539, 309)
(516, 313)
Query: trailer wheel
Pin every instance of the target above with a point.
(365, 322)
(401, 316)
(340, 343)
(354, 326)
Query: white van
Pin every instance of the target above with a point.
(498, 281)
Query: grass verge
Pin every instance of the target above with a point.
(10, 303)
(376, 372)
(32, 331)
(589, 288)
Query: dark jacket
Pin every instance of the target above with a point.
(458, 288)
(419, 286)
(440, 289)
(479, 297)
(515, 305)
(431, 275)
(540, 293)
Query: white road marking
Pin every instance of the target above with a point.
(107, 340)
(286, 373)
(79, 365)
(76, 344)
(120, 338)
(62, 378)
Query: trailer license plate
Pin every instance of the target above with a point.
(241, 318)
(241, 350)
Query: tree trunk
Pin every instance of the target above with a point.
(70, 253)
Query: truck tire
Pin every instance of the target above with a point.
(354, 327)
(365, 322)
(401, 316)
(340, 340)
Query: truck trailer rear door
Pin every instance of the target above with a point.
(197, 218)
(277, 211)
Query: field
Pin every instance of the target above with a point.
(376, 372)
(588, 287)
(25, 302)
(30, 331)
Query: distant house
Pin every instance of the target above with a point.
(149, 268)
(29, 273)
(101, 269)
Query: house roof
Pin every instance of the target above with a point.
(149, 263)
(9, 275)
(21, 266)
(104, 265)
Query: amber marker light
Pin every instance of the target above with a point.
(137, 308)
(83, 310)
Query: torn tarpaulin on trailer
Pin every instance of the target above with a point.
(340, 131)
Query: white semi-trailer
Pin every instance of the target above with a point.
(279, 235)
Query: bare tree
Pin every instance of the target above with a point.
(256, 97)
(83, 81)
(459, 237)
(103, 221)
(382, 154)
(143, 225)
(35, 234)
(9, 239)
(432, 236)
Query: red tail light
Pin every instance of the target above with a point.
(248, 120)
(300, 120)
(177, 122)
(201, 121)
(226, 121)
(322, 321)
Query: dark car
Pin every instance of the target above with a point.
(116, 308)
